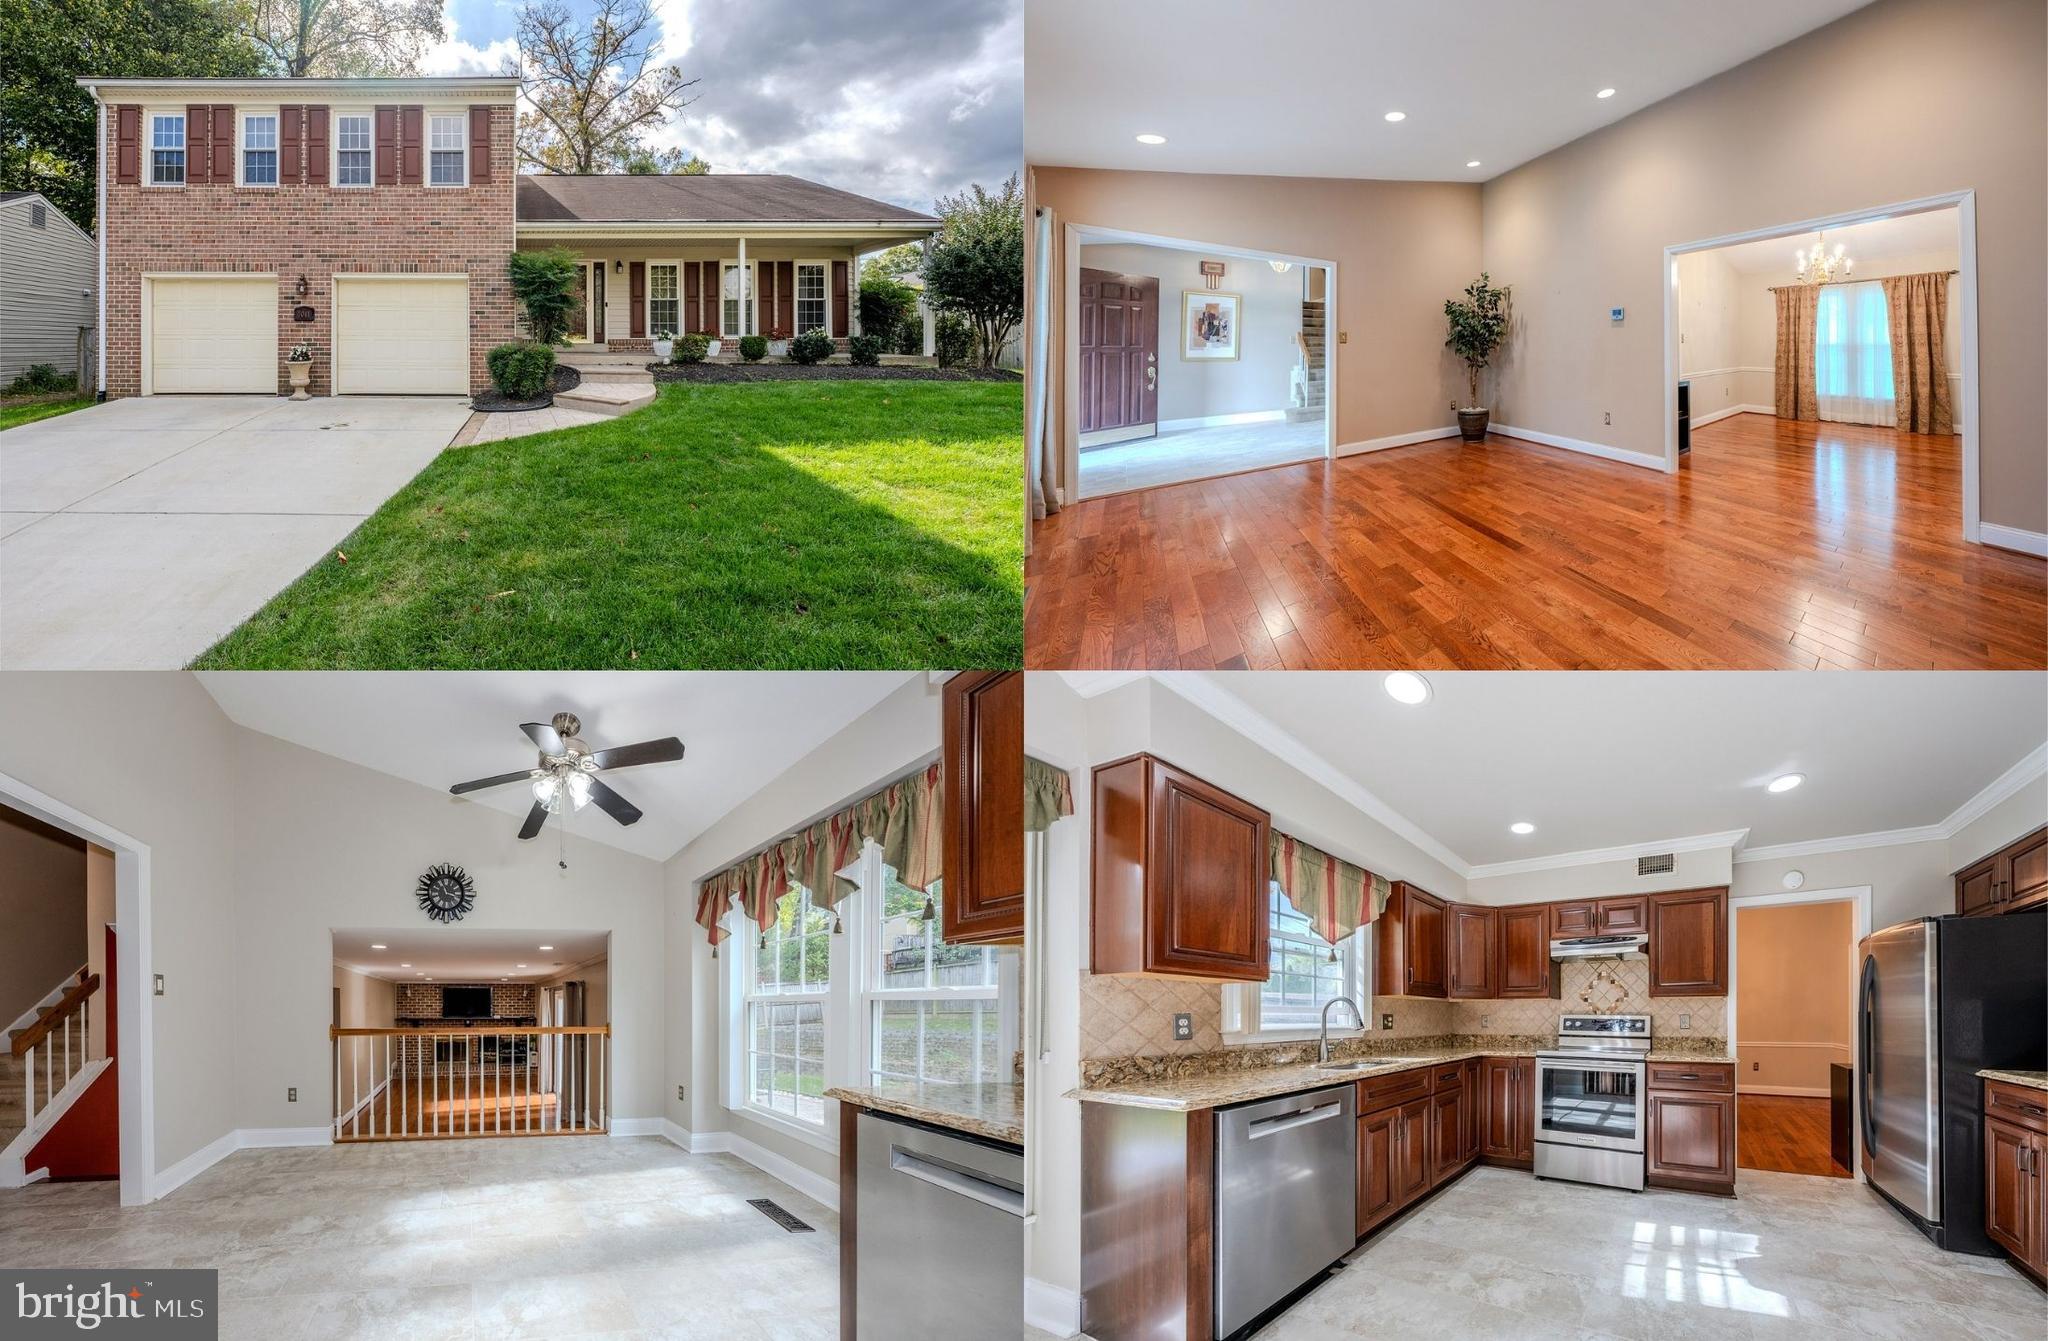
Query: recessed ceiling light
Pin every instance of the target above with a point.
(380, 947)
(1521, 826)
(547, 947)
(1604, 93)
(1787, 782)
(1407, 687)
(1473, 164)
(1397, 116)
(1149, 138)
(519, 966)
(405, 966)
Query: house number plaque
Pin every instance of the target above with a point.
(302, 314)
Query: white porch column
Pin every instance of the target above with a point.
(852, 296)
(931, 338)
(746, 295)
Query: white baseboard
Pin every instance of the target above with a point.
(14, 1170)
(645, 1126)
(1599, 449)
(1789, 1091)
(1731, 411)
(1049, 1307)
(1110, 437)
(265, 1138)
(1221, 420)
(2013, 538)
(824, 1191)
(1397, 440)
(675, 1135)
(199, 1161)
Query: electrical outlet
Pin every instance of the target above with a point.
(1343, 337)
(1486, 1022)
(1607, 417)
(1685, 1022)
(1386, 1019)
(159, 984)
(291, 1096)
(679, 1094)
(1183, 1026)
(1756, 1066)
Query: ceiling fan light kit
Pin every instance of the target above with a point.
(565, 780)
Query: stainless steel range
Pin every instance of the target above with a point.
(1589, 1101)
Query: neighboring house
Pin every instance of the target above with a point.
(47, 310)
(374, 219)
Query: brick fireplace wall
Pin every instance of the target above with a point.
(509, 1000)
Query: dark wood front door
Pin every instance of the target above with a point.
(1119, 351)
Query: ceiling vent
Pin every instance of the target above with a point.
(1661, 864)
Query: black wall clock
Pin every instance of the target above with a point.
(446, 892)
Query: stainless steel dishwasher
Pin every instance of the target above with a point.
(940, 1247)
(1286, 1197)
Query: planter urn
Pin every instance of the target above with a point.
(711, 350)
(1472, 423)
(302, 377)
(663, 349)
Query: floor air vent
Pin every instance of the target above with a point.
(779, 1216)
(1658, 865)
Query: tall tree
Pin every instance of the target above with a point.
(594, 87)
(645, 162)
(340, 38)
(47, 122)
(975, 266)
(905, 258)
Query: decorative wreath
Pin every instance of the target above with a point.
(446, 892)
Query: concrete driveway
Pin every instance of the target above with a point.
(134, 534)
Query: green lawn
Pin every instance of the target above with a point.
(13, 416)
(783, 525)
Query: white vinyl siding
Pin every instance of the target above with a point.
(167, 149)
(354, 150)
(447, 150)
(47, 282)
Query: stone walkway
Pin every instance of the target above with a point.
(519, 423)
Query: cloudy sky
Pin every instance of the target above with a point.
(902, 100)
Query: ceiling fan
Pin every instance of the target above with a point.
(567, 774)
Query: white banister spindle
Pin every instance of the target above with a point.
(28, 1080)
(604, 1075)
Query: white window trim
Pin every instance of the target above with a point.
(647, 301)
(148, 165)
(427, 118)
(794, 280)
(750, 295)
(1241, 1026)
(334, 116)
(868, 993)
(242, 115)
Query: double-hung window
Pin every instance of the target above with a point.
(167, 150)
(259, 150)
(1306, 974)
(447, 143)
(785, 1011)
(935, 1012)
(664, 307)
(353, 163)
(1852, 355)
(810, 297)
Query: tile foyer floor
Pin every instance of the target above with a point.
(576, 1237)
(1197, 453)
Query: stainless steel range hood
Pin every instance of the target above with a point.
(1598, 947)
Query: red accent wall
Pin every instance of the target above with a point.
(86, 1142)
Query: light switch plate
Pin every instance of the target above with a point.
(1183, 1026)
(1343, 337)
(679, 1094)
(159, 984)
(291, 1095)
(1685, 1022)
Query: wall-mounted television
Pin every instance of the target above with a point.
(465, 1003)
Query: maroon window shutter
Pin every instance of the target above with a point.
(785, 295)
(764, 275)
(840, 321)
(639, 292)
(224, 144)
(386, 152)
(127, 145)
(410, 122)
(479, 144)
(316, 146)
(199, 145)
(693, 322)
(289, 122)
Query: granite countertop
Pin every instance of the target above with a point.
(993, 1110)
(1190, 1085)
(2033, 1080)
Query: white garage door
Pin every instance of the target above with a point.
(213, 334)
(401, 336)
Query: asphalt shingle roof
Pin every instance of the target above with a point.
(710, 198)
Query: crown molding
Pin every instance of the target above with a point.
(2031, 767)
(1594, 856)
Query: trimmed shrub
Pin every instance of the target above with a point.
(692, 348)
(753, 348)
(521, 369)
(886, 306)
(41, 379)
(544, 282)
(952, 339)
(865, 349)
(810, 347)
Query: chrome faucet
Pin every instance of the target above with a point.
(1323, 1043)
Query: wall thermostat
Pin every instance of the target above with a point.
(1616, 313)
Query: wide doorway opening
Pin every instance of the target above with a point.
(1794, 1013)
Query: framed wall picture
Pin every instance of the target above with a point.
(1208, 325)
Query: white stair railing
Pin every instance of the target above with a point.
(437, 1083)
(62, 1035)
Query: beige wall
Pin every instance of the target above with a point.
(42, 911)
(1793, 965)
(99, 914)
(1901, 100)
(1597, 880)
(365, 1002)
(1400, 248)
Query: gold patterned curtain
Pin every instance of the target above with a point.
(905, 818)
(1335, 895)
(1917, 306)
(1793, 373)
(1048, 795)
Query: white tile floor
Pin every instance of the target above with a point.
(554, 1238)
(1502, 1255)
(1197, 453)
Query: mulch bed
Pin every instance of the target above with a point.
(495, 402)
(820, 372)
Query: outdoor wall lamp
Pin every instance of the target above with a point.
(302, 286)
(618, 267)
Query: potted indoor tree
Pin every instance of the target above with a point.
(298, 362)
(1478, 328)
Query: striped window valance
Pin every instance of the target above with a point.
(904, 818)
(1048, 795)
(1335, 895)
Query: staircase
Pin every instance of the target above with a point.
(13, 1098)
(1315, 365)
(614, 382)
(46, 1049)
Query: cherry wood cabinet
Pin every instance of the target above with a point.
(2015, 1185)
(1180, 871)
(1507, 1130)
(1377, 1139)
(1689, 1127)
(1472, 951)
(1688, 946)
(1523, 956)
(2012, 879)
(1450, 1121)
(1622, 916)
(982, 899)
(1411, 938)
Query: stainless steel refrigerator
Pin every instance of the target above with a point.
(1940, 999)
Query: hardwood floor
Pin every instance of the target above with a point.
(484, 1103)
(1778, 545)
(1785, 1134)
